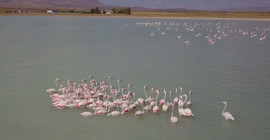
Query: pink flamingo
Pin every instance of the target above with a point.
(185, 112)
(162, 101)
(165, 105)
(156, 108)
(100, 110)
(226, 115)
(152, 102)
(173, 119)
(133, 105)
(140, 113)
(175, 100)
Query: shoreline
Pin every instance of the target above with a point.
(156, 15)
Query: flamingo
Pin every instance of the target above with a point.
(100, 111)
(56, 82)
(173, 119)
(53, 90)
(181, 91)
(132, 105)
(146, 97)
(165, 105)
(87, 114)
(156, 108)
(187, 42)
(226, 115)
(125, 108)
(152, 102)
(175, 100)
(129, 85)
(181, 103)
(186, 111)
(114, 113)
(162, 101)
(189, 99)
(139, 113)
(140, 101)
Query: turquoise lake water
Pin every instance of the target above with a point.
(235, 68)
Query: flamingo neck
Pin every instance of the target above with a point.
(57, 84)
(172, 110)
(119, 86)
(110, 83)
(157, 98)
(129, 89)
(146, 97)
(185, 99)
(224, 108)
(134, 99)
(122, 92)
(164, 97)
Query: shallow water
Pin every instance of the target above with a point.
(36, 50)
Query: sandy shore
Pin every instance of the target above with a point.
(155, 15)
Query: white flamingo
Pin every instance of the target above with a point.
(156, 108)
(152, 102)
(87, 114)
(175, 100)
(53, 90)
(100, 112)
(165, 105)
(173, 119)
(114, 113)
(162, 101)
(181, 91)
(226, 115)
(181, 103)
(185, 112)
(140, 113)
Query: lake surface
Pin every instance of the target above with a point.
(234, 68)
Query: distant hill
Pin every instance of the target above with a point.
(159, 10)
(70, 4)
(52, 4)
(88, 4)
(247, 9)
